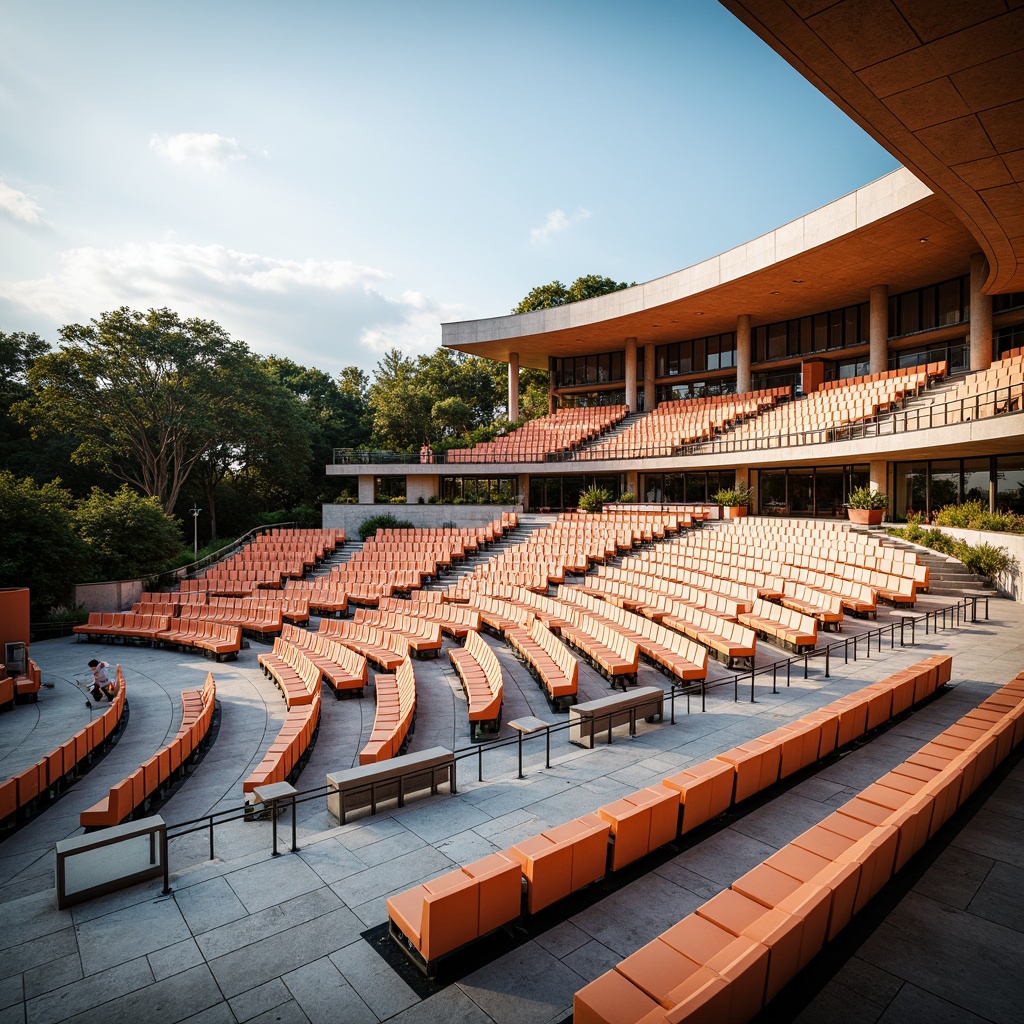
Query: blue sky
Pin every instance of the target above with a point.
(331, 179)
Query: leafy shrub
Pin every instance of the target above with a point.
(986, 559)
(67, 613)
(974, 515)
(593, 500)
(384, 521)
(864, 497)
(627, 497)
(733, 497)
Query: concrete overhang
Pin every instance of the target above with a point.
(939, 84)
(893, 231)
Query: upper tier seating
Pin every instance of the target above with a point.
(561, 432)
(676, 423)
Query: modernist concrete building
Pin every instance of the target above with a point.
(921, 266)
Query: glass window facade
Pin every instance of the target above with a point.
(824, 332)
(808, 492)
(924, 309)
(928, 486)
(578, 371)
(479, 490)
(558, 492)
(691, 486)
(386, 488)
(716, 352)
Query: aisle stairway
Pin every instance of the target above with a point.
(619, 428)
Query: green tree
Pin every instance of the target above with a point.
(401, 409)
(146, 395)
(39, 547)
(545, 296)
(127, 535)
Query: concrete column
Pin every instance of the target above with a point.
(524, 489)
(631, 374)
(742, 353)
(878, 475)
(552, 397)
(632, 482)
(650, 394)
(878, 329)
(981, 315)
(513, 386)
(365, 482)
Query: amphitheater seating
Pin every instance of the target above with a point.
(551, 662)
(395, 714)
(786, 626)
(289, 752)
(480, 674)
(561, 860)
(222, 641)
(343, 669)
(24, 794)
(379, 646)
(736, 952)
(676, 655)
(424, 636)
(132, 795)
(672, 424)
(558, 434)
(295, 674)
(455, 620)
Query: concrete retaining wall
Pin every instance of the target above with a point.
(350, 516)
(1010, 582)
(115, 596)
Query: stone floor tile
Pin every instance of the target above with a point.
(913, 1005)
(259, 999)
(175, 959)
(209, 905)
(53, 974)
(497, 988)
(450, 1006)
(287, 1013)
(272, 882)
(562, 939)
(39, 952)
(325, 996)
(591, 960)
(955, 878)
(1000, 898)
(93, 990)
(126, 934)
(378, 985)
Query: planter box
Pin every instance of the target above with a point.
(734, 511)
(866, 516)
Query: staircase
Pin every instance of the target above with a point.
(529, 522)
(619, 428)
(947, 577)
(891, 422)
(337, 557)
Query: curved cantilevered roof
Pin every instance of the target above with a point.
(893, 232)
(939, 83)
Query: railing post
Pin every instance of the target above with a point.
(480, 763)
(703, 691)
(211, 837)
(273, 823)
(828, 650)
(775, 673)
(805, 666)
(295, 846)
(752, 673)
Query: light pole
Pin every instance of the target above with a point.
(195, 510)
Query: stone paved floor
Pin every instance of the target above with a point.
(249, 937)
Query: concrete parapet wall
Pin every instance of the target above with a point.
(350, 516)
(115, 596)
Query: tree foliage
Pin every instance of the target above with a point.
(39, 547)
(127, 535)
(546, 296)
(146, 395)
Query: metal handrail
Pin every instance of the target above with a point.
(228, 548)
(957, 615)
(998, 402)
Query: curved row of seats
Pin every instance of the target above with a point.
(24, 794)
(343, 668)
(395, 715)
(287, 755)
(550, 661)
(677, 655)
(674, 423)
(988, 392)
(455, 620)
(379, 646)
(164, 768)
(295, 674)
(480, 673)
(221, 640)
(437, 917)
(561, 432)
(424, 635)
(735, 953)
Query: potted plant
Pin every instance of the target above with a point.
(593, 500)
(866, 507)
(734, 501)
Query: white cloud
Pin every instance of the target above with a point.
(18, 205)
(207, 150)
(555, 223)
(325, 313)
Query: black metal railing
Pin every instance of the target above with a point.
(904, 631)
(990, 404)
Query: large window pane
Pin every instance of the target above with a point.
(945, 483)
(1010, 483)
(976, 480)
